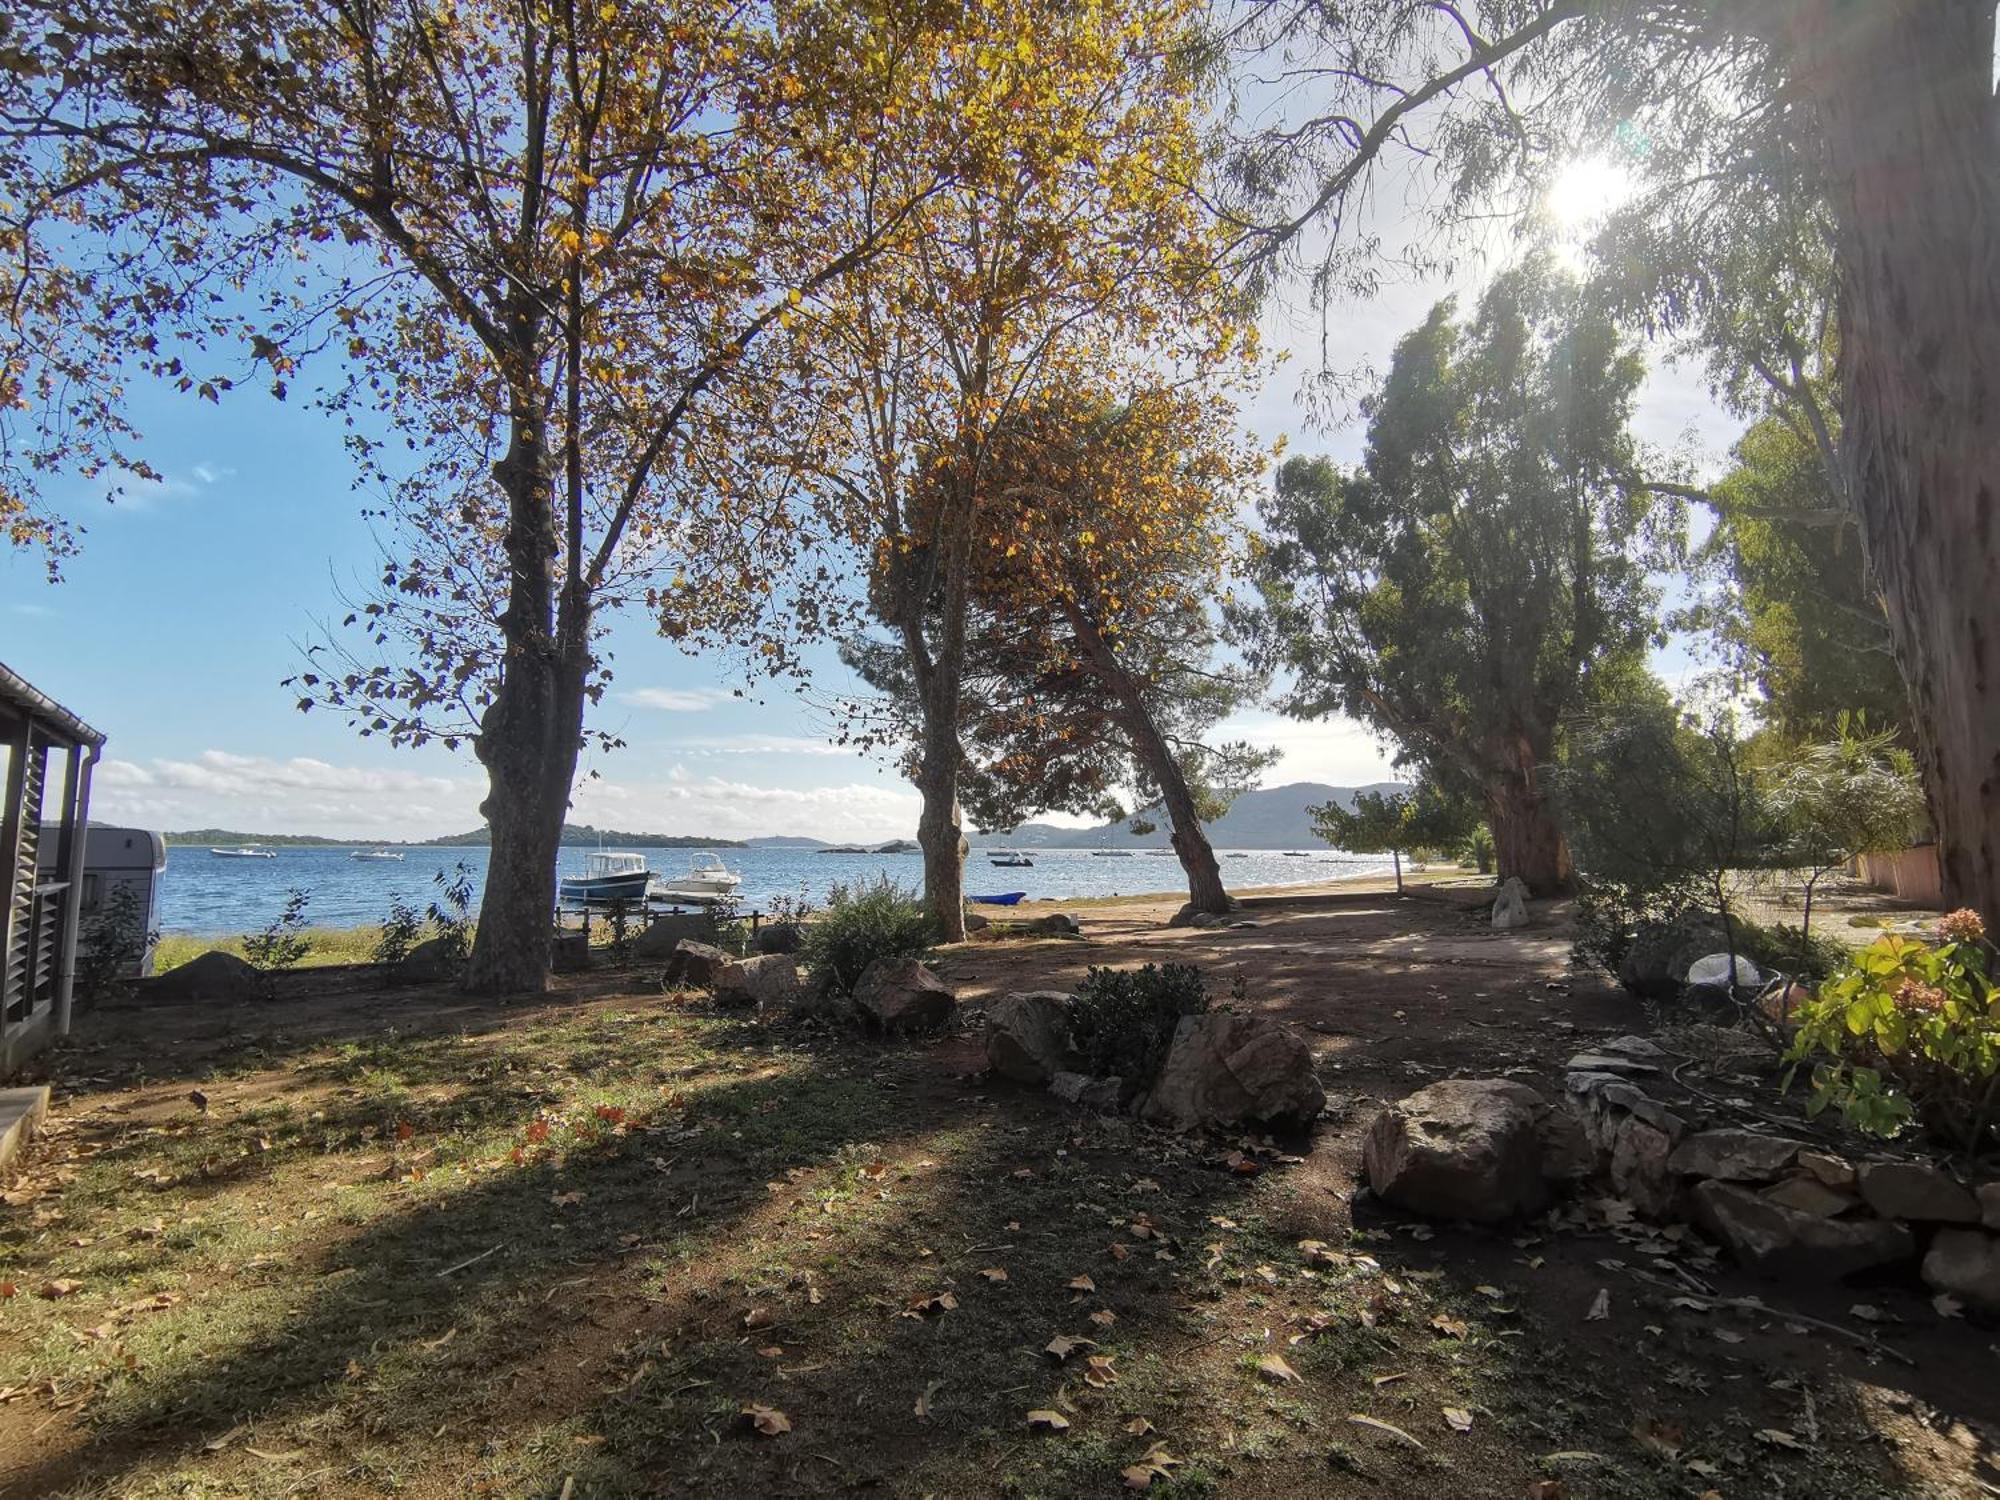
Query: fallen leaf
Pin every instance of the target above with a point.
(1139, 1427)
(1273, 1367)
(564, 1200)
(759, 1317)
(939, 1302)
(1375, 1424)
(1458, 1418)
(1450, 1327)
(1658, 1436)
(1156, 1464)
(1777, 1437)
(1048, 1421)
(768, 1420)
(1868, 1313)
(404, 1130)
(1104, 1317)
(1082, 1284)
(1600, 1306)
(773, 1351)
(1381, 1380)
(1947, 1306)
(1097, 1371)
(1063, 1345)
(995, 1274)
(922, 1410)
(1317, 1253)
(62, 1286)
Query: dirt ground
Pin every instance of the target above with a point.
(405, 1244)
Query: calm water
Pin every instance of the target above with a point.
(202, 894)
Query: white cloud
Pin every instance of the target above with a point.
(1337, 750)
(255, 794)
(764, 744)
(676, 700)
(681, 802)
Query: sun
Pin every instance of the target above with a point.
(1584, 192)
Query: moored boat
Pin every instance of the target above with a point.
(707, 881)
(1009, 857)
(609, 875)
(1005, 898)
(378, 856)
(243, 852)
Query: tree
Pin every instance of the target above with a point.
(1068, 254)
(1425, 817)
(1855, 794)
(1801, 613)
(1487, 564)
(1885, 110)
(1092, 651)
(542, 247)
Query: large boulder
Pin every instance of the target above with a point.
(667, 932)
(1227, 1070)
(779, 937)
(430, 962)
(1483, 1149)
(898, 996)
(215, 975)
(1056, 924)
(768, 982)
(697, 964)
(1661, 953)
(1735, 1155)
(1965, 1263)
(1768, 1236)
(1510, 907)
(1027, 1036)
(1916, 1190)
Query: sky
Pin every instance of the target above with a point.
(191, 601)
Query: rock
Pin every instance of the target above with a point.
(1056, 924)
(697, 964)
(1609, 1062)
(430, 962)
(1734, 1156)
(767, 983)
(1657, 959)
(977, 921)
(1633, 1046)
(1206, 919)
(1105, 1094)
(1467, 1148)
(1777, 1240)
(1027, 1036)
(778, 937)
(901, 996)
(666, 932)
(1833, 1171)
(1224, 1069)
(1965, 1263)
(1510, 909)
(570, 952)
(1989, 1204)
(1614, 1096)
(1638, 1168)
(1912, 1190)
(1809, 1195)
(215, 975)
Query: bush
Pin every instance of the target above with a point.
(401, 931)
(862, 923)
(281, 945)
(111, 944)
(1790, 950)
(1907, 1031)
(1122, 1020)
(451, 914)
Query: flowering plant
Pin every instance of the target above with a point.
(1908, 1031)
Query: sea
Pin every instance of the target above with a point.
(201, 894)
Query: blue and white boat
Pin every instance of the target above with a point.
(608, 875)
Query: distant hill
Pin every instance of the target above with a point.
(221, 837)
(583, 833)
(784, 841)
(1272, 817)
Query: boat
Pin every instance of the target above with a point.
(608, 875)
(1111, 854)
(1005, 898)
(378, 856)
(1297, 854)
(1010, 857)
(707, 881)
(1160, 853)
(1236, 855)
(245, 852)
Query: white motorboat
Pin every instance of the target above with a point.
(1010, 858)
(707, 881)
(245, 852)
(1111, 854)
(378, 856)
(608, 875)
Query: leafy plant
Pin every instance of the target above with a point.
(862, 923)
(402, 930)
(111, 944)
(284, 943)
(1122, 1020)
(451, 913)
(1477, 849)
(1425, 818)
(1908, 1031)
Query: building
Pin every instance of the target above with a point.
(42, 896)
(121, 875)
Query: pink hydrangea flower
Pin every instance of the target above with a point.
(1961, 926)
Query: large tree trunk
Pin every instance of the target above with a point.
(938, 831)
(1904, 93)
(530, 734)
(1527, 838)
(1204, 875)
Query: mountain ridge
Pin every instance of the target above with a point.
(1272, 817)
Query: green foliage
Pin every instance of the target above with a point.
(1122, 1020)
(451, 913)
(1908, 1031)
(1425, 817)
(1477, 850)
(281, 945)
(111, 944)
(401, 931)
(1790, 950)
(1852, 795)
(861, 923)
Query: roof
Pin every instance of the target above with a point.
(17, 693)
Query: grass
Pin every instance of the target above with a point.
(330, 945)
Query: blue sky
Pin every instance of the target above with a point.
(174, 628)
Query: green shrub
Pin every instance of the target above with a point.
(1790, 950)
(862, 923)
(111, 944)
(401, 931)
(281, 945)
(1908, 1031)
(1122, 1020)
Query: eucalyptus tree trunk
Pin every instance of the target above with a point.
(1204, 875)
(1527, 835)
(532, 731)
(1904, 94)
